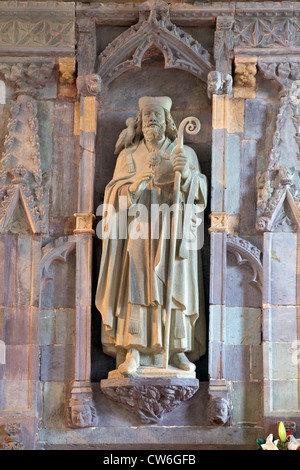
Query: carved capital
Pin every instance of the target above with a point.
(84, 223)
(26, 78)
(219, 222)
(218, 83)
(12, 441)
(66, 70)
(245, 72)
(81, 411)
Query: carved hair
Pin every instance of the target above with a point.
(171, 129)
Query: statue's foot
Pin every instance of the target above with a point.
(131, 363)
(180, 361)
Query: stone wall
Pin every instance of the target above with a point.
(71, 73)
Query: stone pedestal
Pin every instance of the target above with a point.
(150, 398)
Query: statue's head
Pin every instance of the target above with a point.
(154, 120)
(219, 411)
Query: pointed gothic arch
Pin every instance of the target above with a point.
(154, 29)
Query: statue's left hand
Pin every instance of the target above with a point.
(181, 163)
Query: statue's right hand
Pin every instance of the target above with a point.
(142, 180)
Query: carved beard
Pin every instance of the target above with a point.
(154, 132)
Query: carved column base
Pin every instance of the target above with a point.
(81, 412)
(150, 398)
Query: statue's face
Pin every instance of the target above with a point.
(220, 411)
(153, 122)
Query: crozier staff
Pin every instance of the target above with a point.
(131, 292)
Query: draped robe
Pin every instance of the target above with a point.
(131, 291)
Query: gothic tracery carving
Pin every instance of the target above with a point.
(246, 254)
(154, 28)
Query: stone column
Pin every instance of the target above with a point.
(82, 412)
(218, 390)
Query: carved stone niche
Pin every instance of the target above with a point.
(150, 398)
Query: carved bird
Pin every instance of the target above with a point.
(127, 135)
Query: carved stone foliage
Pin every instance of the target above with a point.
(27, 78)
(12, 441)
(245, 72)
(154, 29)
(285, 72)
(278, 203)
(21, 179)
(247, 254)
(149, 399)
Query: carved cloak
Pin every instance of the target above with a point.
(134, 272)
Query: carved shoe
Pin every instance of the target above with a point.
(180, 361)
(131, 363)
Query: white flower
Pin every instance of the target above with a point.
(270, 445)
(293, 443)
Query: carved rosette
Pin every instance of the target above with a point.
(12, 441)
(154, 28)
(149, 399)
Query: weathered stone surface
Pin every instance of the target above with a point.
(247, 399)
(46, 327)
(280, 324)
(65, 326)
(242, 325)
(57, 363)
(236, 360)
(54, 398)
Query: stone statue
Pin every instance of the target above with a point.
(133, 277)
